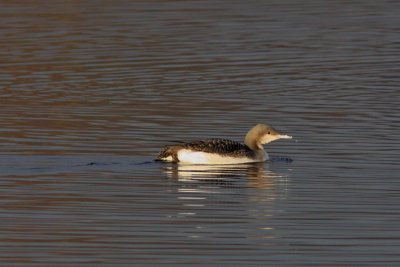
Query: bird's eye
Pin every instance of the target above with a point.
(269, 132)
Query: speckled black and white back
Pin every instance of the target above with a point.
(222, 147)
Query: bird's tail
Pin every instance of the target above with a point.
(169, 153)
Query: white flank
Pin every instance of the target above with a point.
(196, 157)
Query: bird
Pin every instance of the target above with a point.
(223, 151)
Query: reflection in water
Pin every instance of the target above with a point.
(256, 174)
(211, 194)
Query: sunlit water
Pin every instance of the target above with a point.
(91, 91)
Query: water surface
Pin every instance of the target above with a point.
(90, 92)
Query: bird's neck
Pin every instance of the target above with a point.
(252, 140)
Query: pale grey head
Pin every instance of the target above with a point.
(262, 134)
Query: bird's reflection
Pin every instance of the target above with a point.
(214, 197)
(256, 174)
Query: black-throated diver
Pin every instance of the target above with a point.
(224, 151)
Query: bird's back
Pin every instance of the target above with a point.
(223, 147)
(217, 145)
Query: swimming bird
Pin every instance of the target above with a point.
(224, 151)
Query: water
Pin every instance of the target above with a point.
(90, 92)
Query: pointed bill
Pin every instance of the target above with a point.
(283, 136)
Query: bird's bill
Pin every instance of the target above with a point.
(283, 136)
